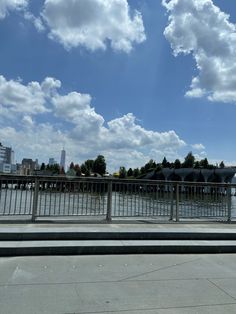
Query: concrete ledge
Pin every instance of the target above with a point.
(23, 248)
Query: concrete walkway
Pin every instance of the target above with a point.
(152, 284)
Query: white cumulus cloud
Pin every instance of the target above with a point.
(32, 98)
(37, 21)
(9, 5)
(198, 146)
(200, 28)
(94, 23)
(125, 132)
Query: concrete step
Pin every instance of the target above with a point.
(23, 248)
(61, 235)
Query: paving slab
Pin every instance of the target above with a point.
(216, 309)
(103, 284)
(226, 284)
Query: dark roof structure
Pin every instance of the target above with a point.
(223, 175)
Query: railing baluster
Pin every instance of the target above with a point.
(35, 200)
(229, 202)
(177, 202)
(172, 203)
(109, 202)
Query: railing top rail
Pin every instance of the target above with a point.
(13, 177)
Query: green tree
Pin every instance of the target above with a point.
(158, 167)
(189, 161)
(85, 170)
(77, 170)
(164, 163)
(222, 165)
(142, 170)
(136, 172)
(62, 171)
(55, 169)
(43, 166)
(204, 163)
(150, 165)
(72, 166)
(130, 172)
(177, 164)
(100, 165)
(122, 173)
(89, 165)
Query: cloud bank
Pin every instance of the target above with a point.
(38, 120)
(200, 28)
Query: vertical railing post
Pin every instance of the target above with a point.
(172, 203)
(109, 201)
(177, 202)
(229, 207)
(35, 200)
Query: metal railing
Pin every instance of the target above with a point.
(35, 197)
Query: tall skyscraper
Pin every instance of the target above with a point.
(63, 159)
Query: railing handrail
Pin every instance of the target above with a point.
(113, 179)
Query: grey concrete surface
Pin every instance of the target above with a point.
(58, 239)
(119, 227)
(160, 284)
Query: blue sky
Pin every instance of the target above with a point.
(132, 80)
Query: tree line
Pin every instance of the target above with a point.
(97, 166)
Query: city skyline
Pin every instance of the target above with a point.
(158, 81)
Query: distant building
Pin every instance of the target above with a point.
(7, 159)
(6, 155)
(28, 166)
(63, 159)
(51, 161)
(5, 168)
(36, 164)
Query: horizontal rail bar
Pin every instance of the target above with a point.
(106, 179)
